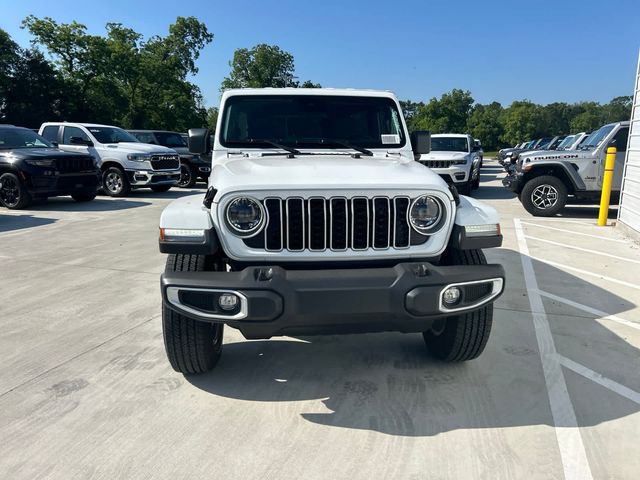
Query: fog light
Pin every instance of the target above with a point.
(451, 296)
(228, 301)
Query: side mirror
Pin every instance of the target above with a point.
(421, 142)
(55, 144)
(80, 141)
(199, 141)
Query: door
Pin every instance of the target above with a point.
(618, 140)
(75, 139)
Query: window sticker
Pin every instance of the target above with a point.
(390, 139)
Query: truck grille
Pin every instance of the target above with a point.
(437, 163)
(165, 162)
(72, 165)
(337, 223)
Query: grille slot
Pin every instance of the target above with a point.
(337, 224)
(437, 163)
(72, 165)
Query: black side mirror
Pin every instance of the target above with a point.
(55, 144)
(421, 142)
(199, 141)
(80, 141)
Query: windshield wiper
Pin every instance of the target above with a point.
(344, 144)
(286, 148)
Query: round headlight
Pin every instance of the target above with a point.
(425, 214)
(245, 216)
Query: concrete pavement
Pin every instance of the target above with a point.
(86, 391)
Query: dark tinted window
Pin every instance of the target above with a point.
(144, 137)
(449, 144)
(311, 121)
(73, 132)
(111, 135)
(50, 132)
(620, 140)
(21, 138)
(169, 139)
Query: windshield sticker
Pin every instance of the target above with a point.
(390, 138)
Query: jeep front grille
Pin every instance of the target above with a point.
(337, 223)
(74, 164)
(165, 162)
(437, 163)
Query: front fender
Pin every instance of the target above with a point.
(187, 213)
(471, 215)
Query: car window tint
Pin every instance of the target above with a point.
(50, 132)
(73, 132)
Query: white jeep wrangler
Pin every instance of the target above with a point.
(318, 220)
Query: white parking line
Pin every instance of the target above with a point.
(573, 232)
(573, 247)
(600, 379)
(584, 272)
(572, 452)
(598, 313)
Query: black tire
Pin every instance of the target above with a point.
(83, 197)
(475, 184)
(464, 188)
(461, 337)
(13, 192)
(115, 182)
(188, 176)
(544, 196)
(191, 346)
(161, 188)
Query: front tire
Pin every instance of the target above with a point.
(115, 182)
(544, 196)
(461, 337)
(191, 346)
(13, 192)
(465, 188)
(188, 176)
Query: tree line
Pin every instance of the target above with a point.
(124, 79)
(497, 126)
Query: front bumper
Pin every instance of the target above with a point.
(50, 183)
(513, 181)
(142, 178)
(454, 174)
(274, 301)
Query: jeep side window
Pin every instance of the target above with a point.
(73, 132)
(50, 132)
(620, 140)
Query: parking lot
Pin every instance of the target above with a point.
(86, 390)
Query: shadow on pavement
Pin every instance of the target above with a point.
(387, 382)
(170, 195)
(491, 192)
(99, 204)
(20, 222)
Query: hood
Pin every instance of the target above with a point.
(36, 153)
(135, 147)
(323, 172)
(445, 156)
(555, 155)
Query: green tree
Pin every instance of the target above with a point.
(410, 111)
(212, 118)
(449, 114)
(263, 66)
(521, 121)
(485, 124)
(618, 109)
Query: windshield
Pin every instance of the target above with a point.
(171, 140)
(111, 135)
(21, 138)
(311, 121)
(596, 138)
(566, 142)
(449, 144)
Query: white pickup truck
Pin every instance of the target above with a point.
(124, 162)
(318, 220)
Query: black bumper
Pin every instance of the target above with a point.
(513, 182)
(275, 301)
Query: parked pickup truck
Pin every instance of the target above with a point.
(192, 167)
(456, 159)
(124, 162)
(32, 168)
(318, 220)
(546, 181)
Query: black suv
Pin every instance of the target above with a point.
(32, 168)
(192, 166)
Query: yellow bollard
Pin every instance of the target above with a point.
(606, 186)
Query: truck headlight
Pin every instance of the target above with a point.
(426, 214)
(245, 216)
(44, 162)
(138, 157)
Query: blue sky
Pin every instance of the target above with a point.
(545, 51)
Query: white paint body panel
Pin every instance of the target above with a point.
(186, 213)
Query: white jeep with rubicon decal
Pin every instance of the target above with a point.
(318, 220)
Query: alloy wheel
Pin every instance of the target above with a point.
(10, 192)
(185, 176)
(544, 196)
(114, 182)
